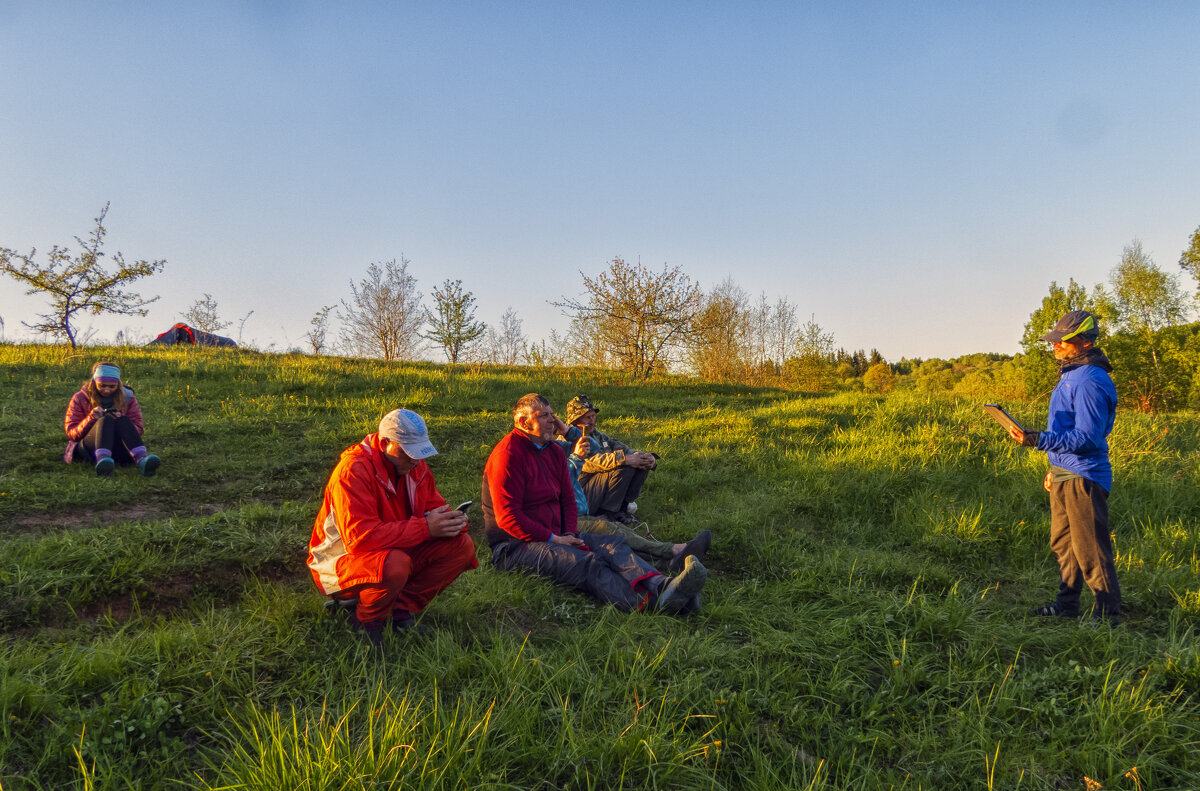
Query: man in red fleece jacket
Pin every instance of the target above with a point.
(529, 517)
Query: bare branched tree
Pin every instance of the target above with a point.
(79, 284)
(642, 317)
(242, 327)
(384, 315)
(203, 315)
(784, 330)
(320, 329)
(505, 345)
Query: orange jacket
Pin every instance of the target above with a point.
(364, 516)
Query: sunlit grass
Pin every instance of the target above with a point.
(865, 624)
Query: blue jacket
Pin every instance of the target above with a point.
(575, 463)
(1082, 409)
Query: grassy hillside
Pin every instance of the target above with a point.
(865, 622)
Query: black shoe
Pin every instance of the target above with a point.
(370, 633)
(1100, 619)
(340, 607)
(697, 546)
(1053, 610)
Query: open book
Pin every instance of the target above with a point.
(1002, 417)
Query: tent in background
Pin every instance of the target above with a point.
(185, 335)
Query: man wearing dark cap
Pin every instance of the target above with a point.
(530, 518)
(1082, 410)
(614, 473)
(578, 449)
(385, 539)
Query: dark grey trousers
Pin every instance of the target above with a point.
(118, 434)
(609, 492)
(611, 572)
(1082, 543)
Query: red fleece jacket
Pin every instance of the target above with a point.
(527, 491)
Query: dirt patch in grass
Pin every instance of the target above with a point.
(168, 595)
(164, 596)
(82, 520)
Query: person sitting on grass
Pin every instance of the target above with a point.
(385, 541)
(104, 425)
(530, 518)
(647, 546)
(614, 473)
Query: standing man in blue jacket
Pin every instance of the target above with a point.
(1082, 410)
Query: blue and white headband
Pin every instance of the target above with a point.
(107, 375)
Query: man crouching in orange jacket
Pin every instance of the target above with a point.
(384, 535)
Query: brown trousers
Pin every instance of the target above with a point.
(1082, 543)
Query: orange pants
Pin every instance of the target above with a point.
(412, 577)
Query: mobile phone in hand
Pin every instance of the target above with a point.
(465, 506)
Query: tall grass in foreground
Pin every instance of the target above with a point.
(865, 621)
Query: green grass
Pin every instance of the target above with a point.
(865, 622)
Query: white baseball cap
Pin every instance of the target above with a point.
(407, 428)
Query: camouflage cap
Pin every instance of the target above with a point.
(579, 406)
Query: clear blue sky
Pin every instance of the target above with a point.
(914, 174)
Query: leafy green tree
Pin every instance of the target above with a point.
(1000, 379)
(879, 377)
(935, 375)
(1171, 384)
(1040, 370)
(719, 347)
(642, 317)
(80, 283)
(812, 369)
(1190, 260)
(203, 315)
(452, 325)
(1147, 300)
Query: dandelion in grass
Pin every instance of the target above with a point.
(1090, 784)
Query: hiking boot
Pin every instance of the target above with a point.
(370, 633)
(105, 466)
(697, 546)
(1101, 618)
(675, 595)
(1053, 610)
(149, 465)
(626, 518)
(340, 606)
